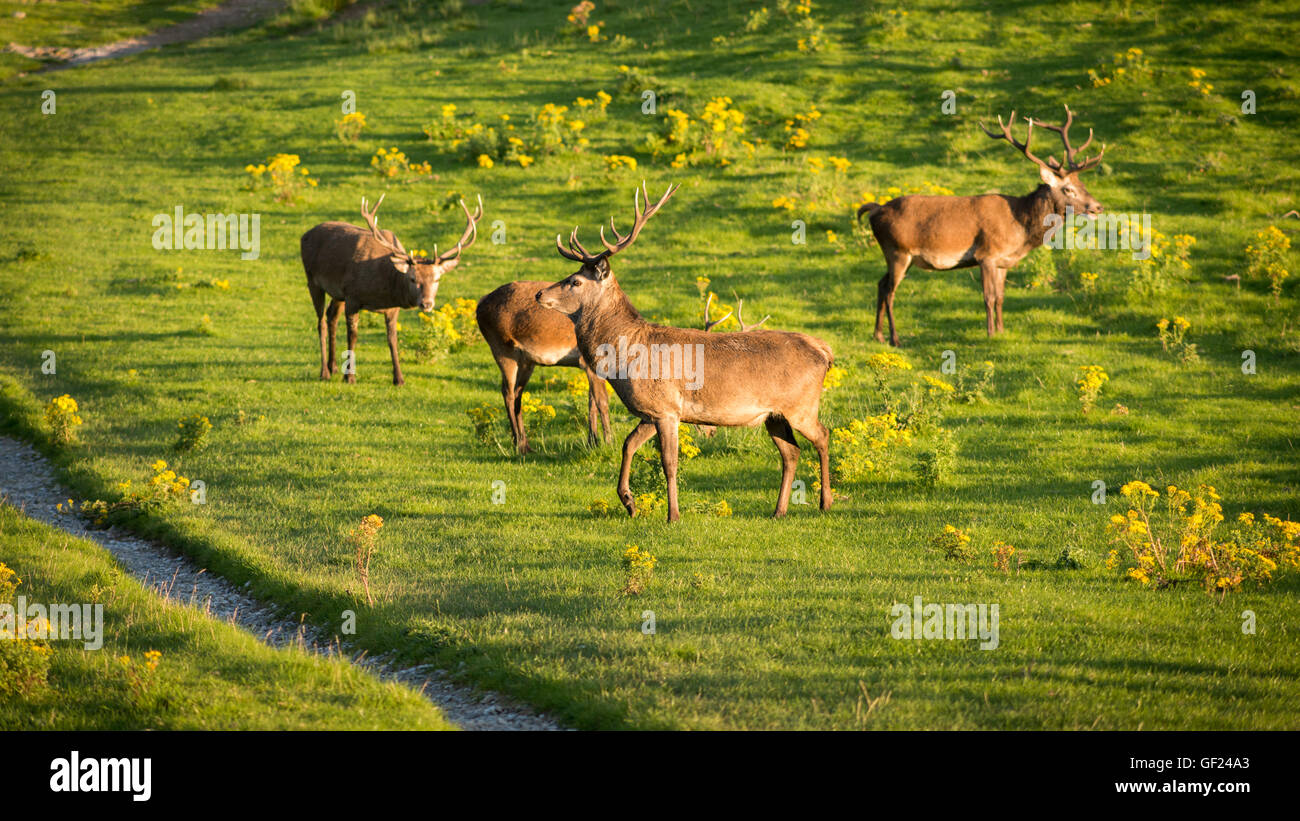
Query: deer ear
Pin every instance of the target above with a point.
(449, 264)
(1049, 176)
(602, 269)
(402, 264)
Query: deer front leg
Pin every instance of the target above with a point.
(783, 437)
(318, 301)
(667, 430)
(989, 282)
(597, 407)
(898, 265)
(634, 440)
(352, 315)
(390, 322)
(1001, 284)
(332, 319)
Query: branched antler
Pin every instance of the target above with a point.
(577, 253)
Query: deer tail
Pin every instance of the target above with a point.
(868, 208)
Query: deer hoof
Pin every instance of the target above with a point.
(350, 378)
(399, 381)
(674, 516)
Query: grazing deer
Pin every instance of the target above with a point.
(523, 335)
(368, 269)
(993, 231)
(666, 376)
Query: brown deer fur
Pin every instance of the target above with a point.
(759, 376)
(992, 231)
(523, 335)
(368, 269)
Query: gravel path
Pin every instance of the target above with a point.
(27, 481)
(227, 15)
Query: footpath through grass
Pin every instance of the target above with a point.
(209, 675)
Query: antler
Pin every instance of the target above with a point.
(373, 222)
(577, 253)
(1064, 130)
(1022, 147)
(740, 316)
(467, 238)
(709, 323)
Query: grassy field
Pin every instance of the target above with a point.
(210, 675)
(760, 623)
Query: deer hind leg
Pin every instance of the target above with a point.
(352, 315)
(1001, 291)
(597, 407)
(390, 322)
(631, 444)
(667, 430)
(332, 320)
(898, 264)
(318, 301)
(783, 437)
(989, 282)
(814, 431)
(514, 378)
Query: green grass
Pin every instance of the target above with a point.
(211, 676)
(524, 597)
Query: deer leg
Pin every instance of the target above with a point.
(350, 355)
(597, 407)
(814, 431)
(332, 319)
(509, 373)
(318, 301)
(667, 430)
(390, 322)
(783, 437)
(898, 266)
(1001, 291)
(516, 404)
(634, 440)
(989, 281)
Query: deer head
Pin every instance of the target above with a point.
(1062, 180)
(418, 277)
(586, 287)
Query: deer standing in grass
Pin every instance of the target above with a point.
(993, 231)
(368, 269)
(523, 335)
(666, 376)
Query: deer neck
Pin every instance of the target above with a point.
(606, 322)
(1032, 211)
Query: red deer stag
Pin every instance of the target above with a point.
(368, 269)
(993, 231)
(523, 335)
(666, 376)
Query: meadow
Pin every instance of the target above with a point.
(758, 623)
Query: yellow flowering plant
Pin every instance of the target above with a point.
(1165, 539)
(639, 566)
(1090, 380)
(1266, 258)
(284, 174)
(1173, 339)
(364, 538)
(349, 128)
(63, 417)
(954, 543)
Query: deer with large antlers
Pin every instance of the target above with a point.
(368, 269)
(523, 335)
(667, 376)
(993, 231)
